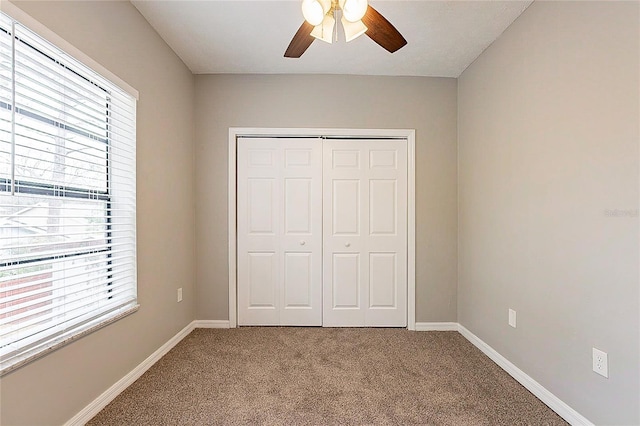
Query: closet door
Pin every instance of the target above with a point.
(279, 217)
(365, 233)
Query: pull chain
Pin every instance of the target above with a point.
(335, 27)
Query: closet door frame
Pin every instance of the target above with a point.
(400, 134)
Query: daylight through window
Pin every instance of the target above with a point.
(67, 197)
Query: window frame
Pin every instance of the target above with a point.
(12, 186)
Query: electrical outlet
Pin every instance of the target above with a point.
(180, 294)
(600, 363)
(512, 318)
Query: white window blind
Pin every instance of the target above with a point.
(67, 197)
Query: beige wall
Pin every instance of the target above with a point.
(548, 133)
(53, 389)
(425, 104)
(547, 126)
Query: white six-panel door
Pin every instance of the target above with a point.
(322, 232)
(365, 233)
(279, 235)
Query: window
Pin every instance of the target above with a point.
(67, 198)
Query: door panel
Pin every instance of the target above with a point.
(365, 233)
(298, 280)
(383, 159)
(279, 231)
(262, 280)
(342, 291)
(345, 159)
(298, 157)
(346, 207)
(384, 279)
(297, 206)
(383, 203)
(261, 206)
(258, 157)
(346, 281)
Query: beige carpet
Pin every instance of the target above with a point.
(316, 376)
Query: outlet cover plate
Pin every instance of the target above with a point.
(600, 362)
(512, 318)
(180, 294)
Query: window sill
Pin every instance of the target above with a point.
(55, 345)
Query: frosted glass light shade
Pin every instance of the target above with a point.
(314, 10)
(324, 31)
(353, 30)
(353, 10)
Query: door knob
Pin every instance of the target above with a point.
(347, 244)
(302, 242)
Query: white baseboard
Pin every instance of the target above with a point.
(436, 326)
(211, 323)
(556, 404)
(110, 394)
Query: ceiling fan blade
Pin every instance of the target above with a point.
(381, 31)
(300, 42)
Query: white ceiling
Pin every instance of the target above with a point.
(250, 37)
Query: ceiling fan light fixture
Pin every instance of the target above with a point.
(353, 30)
(353, 10)
(324, 31)
(315, 10)
(367, 21)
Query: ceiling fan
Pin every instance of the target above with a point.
(358, 17)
